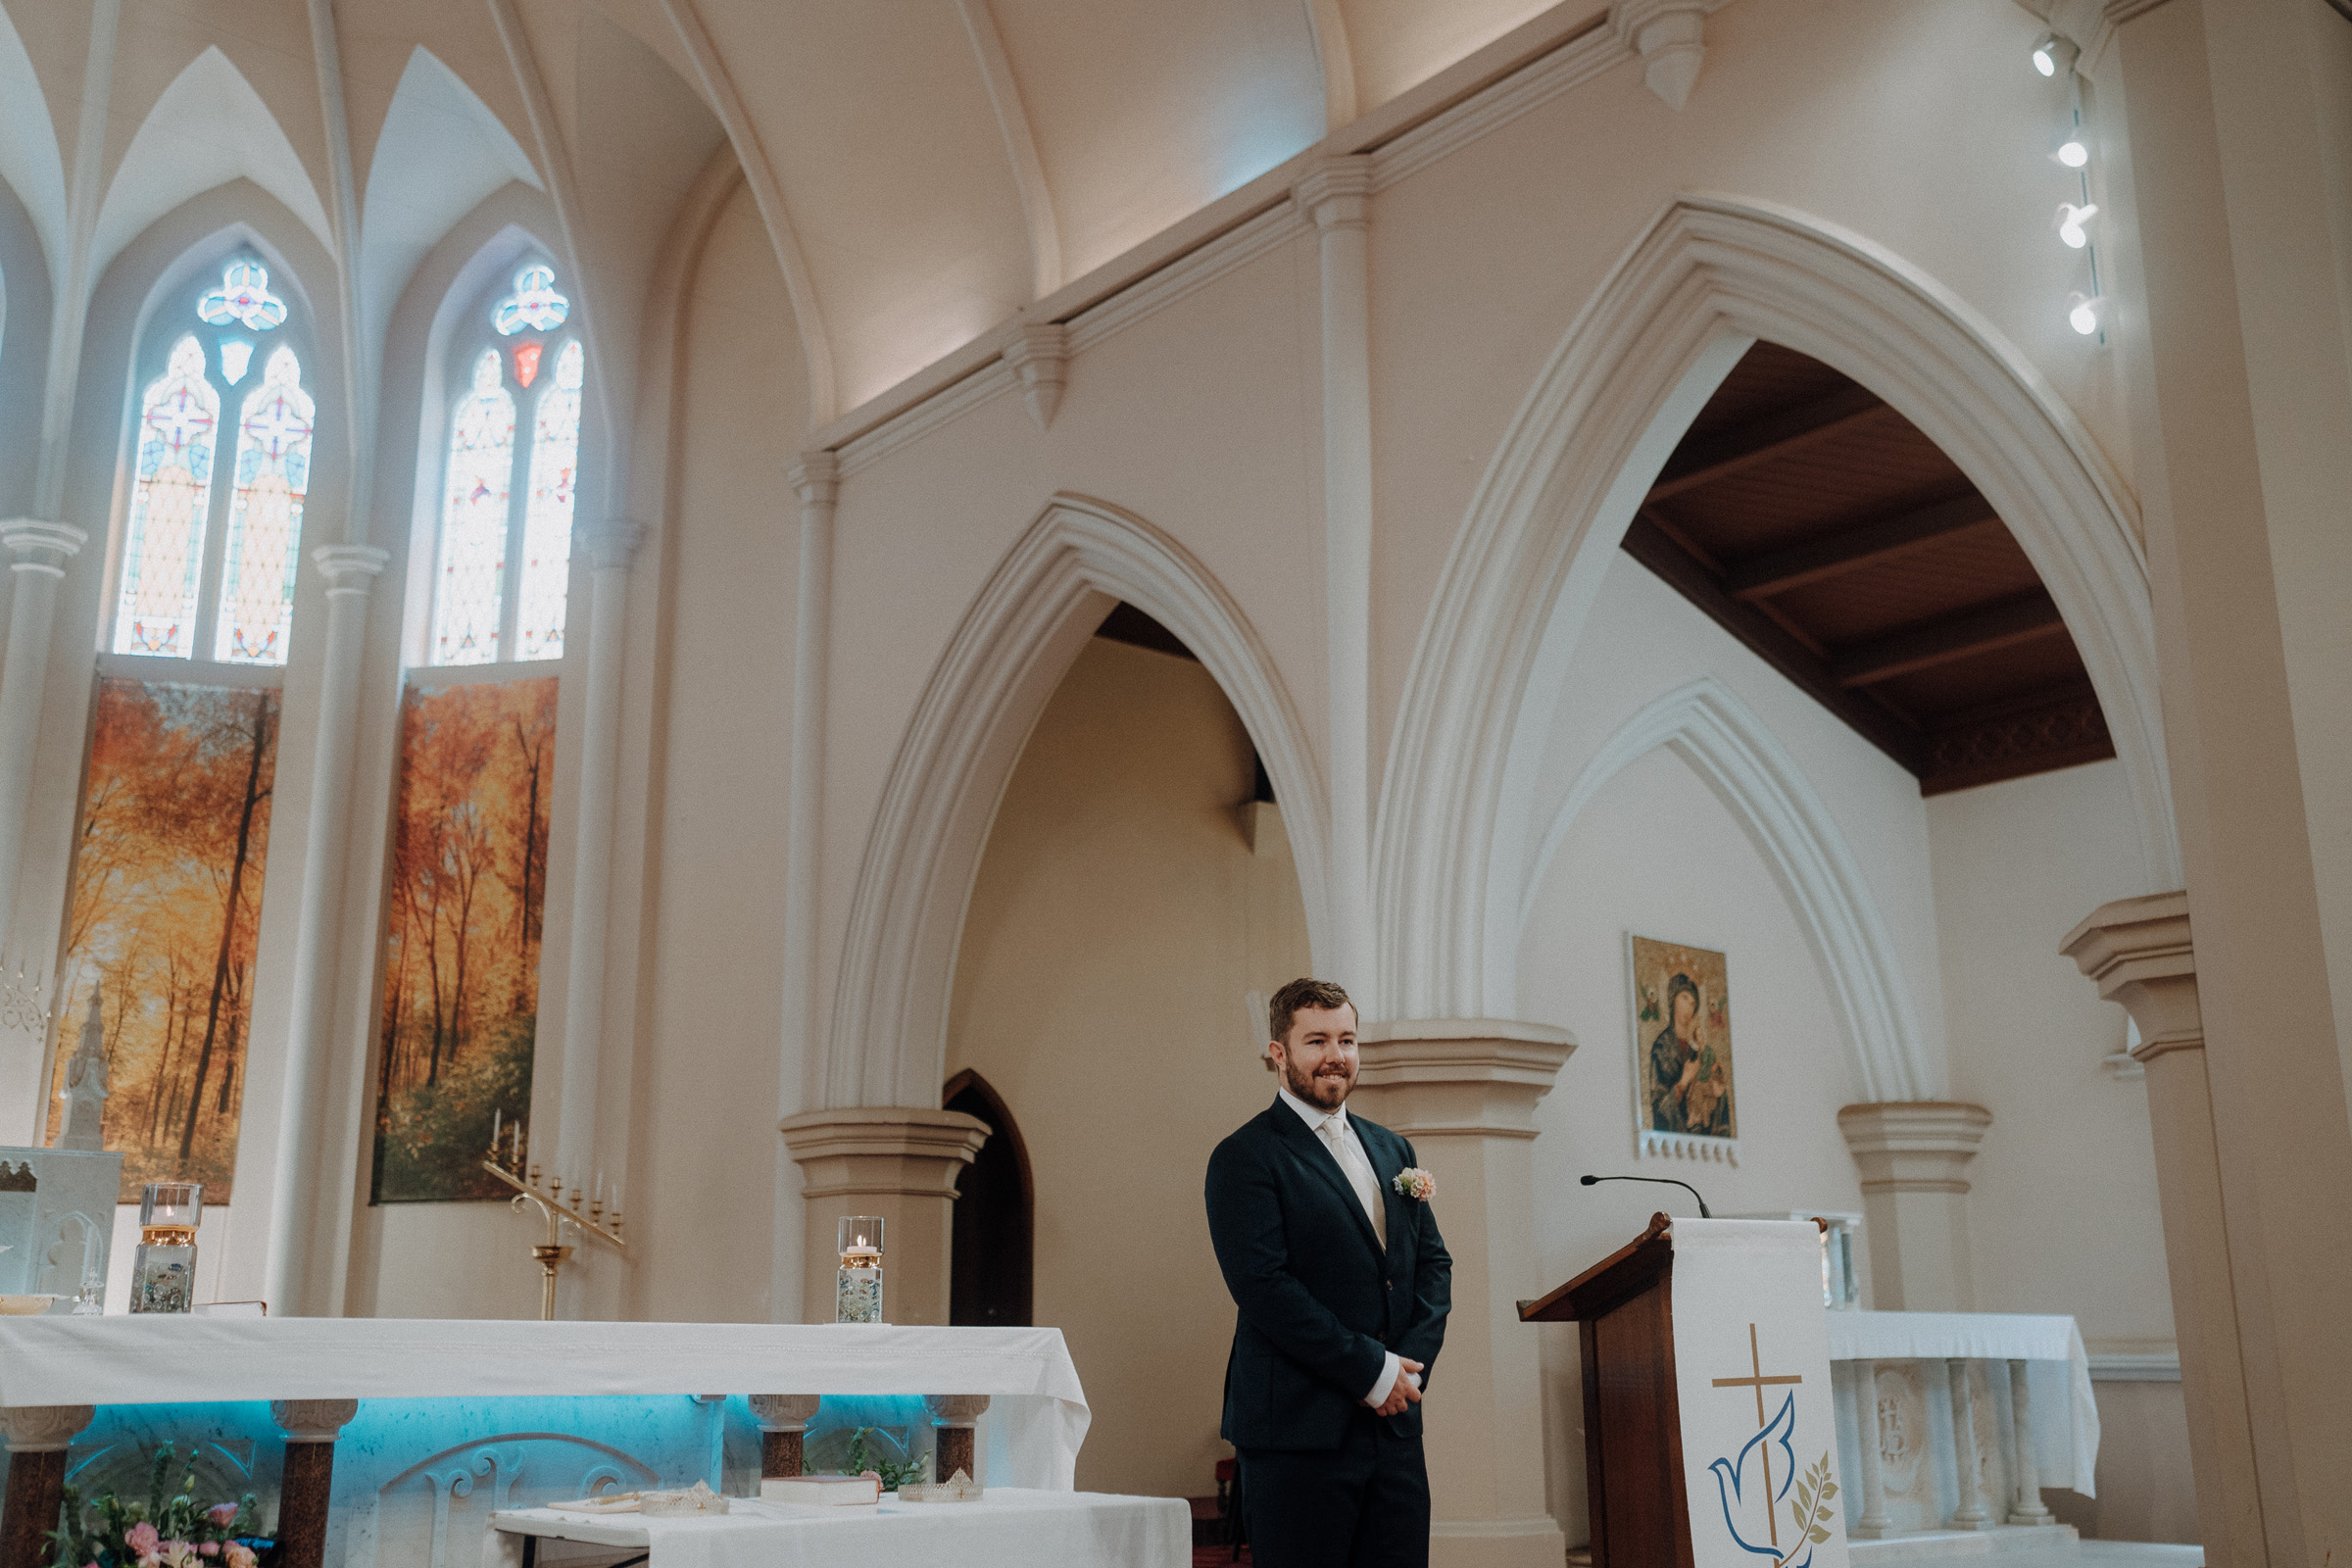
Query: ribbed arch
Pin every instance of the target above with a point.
(888, 1037)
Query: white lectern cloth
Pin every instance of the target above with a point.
(1007, 1528)
(2066, 1414)
(1036, 1416)
(1748, 1305)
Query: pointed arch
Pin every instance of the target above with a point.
(1732, 750)
(1711, 275)
(30, 163)
(207, 128)
(992, 1258)
(1028, 622)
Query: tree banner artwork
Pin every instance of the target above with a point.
(165, 906)
(468, 885)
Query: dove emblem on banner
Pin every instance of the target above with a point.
(1753, 1484)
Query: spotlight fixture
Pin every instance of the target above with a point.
(2083, 314)
(2073, 151)
(2070, 222)
(2053, 54)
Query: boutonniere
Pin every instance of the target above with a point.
(1415, 1183)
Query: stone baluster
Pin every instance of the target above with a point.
(2030, 1509)
(783, 1431)
(1874, 1525)
(1972, 1513)
(37, 1434)
(956, 1417)
(311, 1427)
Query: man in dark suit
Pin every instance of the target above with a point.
(1342, 1285)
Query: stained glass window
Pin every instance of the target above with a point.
(265, 518)
(243, 296)
(235, 355)
(534, 304)
(163, 554)
(547, 519)
(469, 586)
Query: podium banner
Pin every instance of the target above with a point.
(1751, 1368)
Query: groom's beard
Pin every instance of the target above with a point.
(1325, 1092)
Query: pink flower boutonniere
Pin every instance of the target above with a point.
(1415, 1183)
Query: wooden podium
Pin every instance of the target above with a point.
(1752, 1298)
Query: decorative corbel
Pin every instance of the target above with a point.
(1670, 36)
(1038, 353)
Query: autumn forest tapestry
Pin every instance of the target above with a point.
(166, 902)
(468, 883)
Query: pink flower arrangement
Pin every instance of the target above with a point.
(1417, 1184)
(237, 1554)
(222, 1514)
(168, 1529)
(143, 1541)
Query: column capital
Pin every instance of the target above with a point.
(350, 568)
(847, 1150)
(1914, 1145)
(1336, 193)
(43, 1427)
(2139, 954)
(313, 1420)
(1670, 36)
(1461, 1077)
(1038, 353)
(610, 545)
(42, 548)
(784, 1412)
(815, 477)
(956, 1409)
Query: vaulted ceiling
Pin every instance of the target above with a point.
(925, 168)
(1821, 529)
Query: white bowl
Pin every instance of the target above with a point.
(24, 1306)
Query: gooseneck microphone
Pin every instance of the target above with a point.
(1667, 1180)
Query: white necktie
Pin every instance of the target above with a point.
(1360, 1174)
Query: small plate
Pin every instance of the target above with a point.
(24, 1306)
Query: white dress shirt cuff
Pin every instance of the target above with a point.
(1388, 1380)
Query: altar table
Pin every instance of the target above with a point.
(528, 1410)
(2016, 1383)
(1011, 1528)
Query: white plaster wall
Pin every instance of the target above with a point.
(1118, 923)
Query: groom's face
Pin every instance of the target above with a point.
(1318, 1055)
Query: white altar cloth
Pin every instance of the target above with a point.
(2065, 1416)
(1008, 1529)
(1038, 1413)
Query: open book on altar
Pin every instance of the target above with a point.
(1710, 1436)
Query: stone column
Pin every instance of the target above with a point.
(609, 550)
(1874, 1525)
(2140, 953)
(311, 1427)
(783, 1430)
(37, 1436)
(1336, 194)
(815, 477)
(293, 1189)
(1972, 1514)
(2029, 1508)
(1464, 1090)
(2234, 319)
(956, 1418)
(898, 1161)
(37, 556)
(1913, 1153)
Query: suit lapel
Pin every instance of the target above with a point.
(1316, 1155)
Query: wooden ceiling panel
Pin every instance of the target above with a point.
(1828, 534)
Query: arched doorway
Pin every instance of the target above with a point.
(991, 1269)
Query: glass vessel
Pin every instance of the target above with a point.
(857, 1299)
(163, 1274)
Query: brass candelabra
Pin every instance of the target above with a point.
(559, 1206)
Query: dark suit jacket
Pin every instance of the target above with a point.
(1321, 1305)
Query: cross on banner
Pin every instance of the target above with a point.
(1757, 1379)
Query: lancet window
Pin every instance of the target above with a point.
(209, 567)
(503, 562)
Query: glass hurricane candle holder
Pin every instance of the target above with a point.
(163, 1274)
(857, 1299)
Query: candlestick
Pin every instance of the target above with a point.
(558, 1211)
